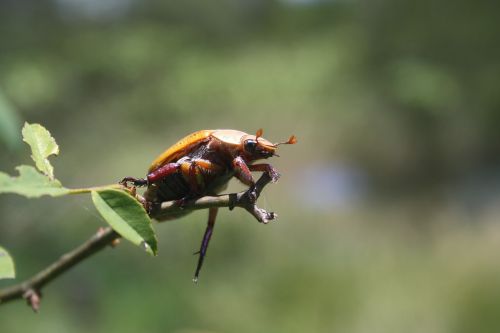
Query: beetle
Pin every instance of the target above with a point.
(202, 163)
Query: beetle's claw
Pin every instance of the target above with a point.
(274, 175)
(135, 181)
(124, 181)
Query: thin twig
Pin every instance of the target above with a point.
(31, 288)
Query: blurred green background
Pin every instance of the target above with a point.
(389, 215)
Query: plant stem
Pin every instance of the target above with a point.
(30, 288)
(94, 188)
(97, 242)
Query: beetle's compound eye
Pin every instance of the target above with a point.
(250, 145)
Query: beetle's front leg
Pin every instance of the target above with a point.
(267, 168)
(242, 172)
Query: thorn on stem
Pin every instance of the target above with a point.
(33, 298)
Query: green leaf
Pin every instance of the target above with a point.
(30, 183)
(7, 270)
(127, 217)
(42, 146)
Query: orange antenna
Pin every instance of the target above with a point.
(291, 140)
(259, 133)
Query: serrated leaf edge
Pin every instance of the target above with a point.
(45, 160)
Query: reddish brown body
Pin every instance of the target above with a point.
(202, 164)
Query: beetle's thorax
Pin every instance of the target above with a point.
(229, 143)
(228, 136)
(231, 150)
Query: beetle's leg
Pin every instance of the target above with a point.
(212, 214)
(189, 171)
(267, 168)
(200, 168)
(207, 167)
(134, 181)
(163, 172)
(242, 172)
(193, 171)
(195, 178)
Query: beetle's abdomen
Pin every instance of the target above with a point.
(173, 187)
(201, 172)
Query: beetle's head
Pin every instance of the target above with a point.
(256, 147)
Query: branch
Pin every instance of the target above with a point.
(244, 199)
(30, 289)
